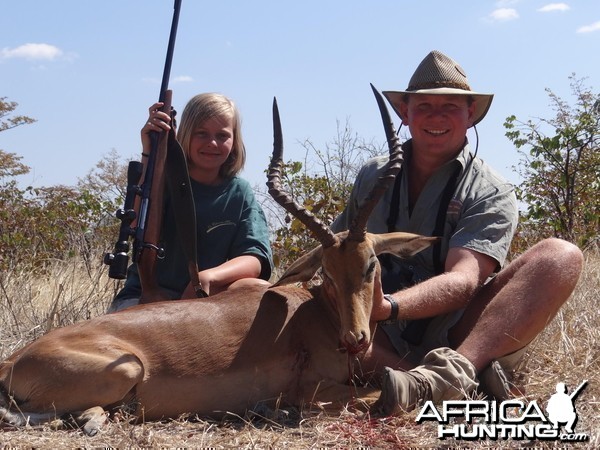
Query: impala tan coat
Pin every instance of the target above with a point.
(225, 353)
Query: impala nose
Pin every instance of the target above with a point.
(356, 342)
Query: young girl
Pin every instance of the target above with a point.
(232, 233)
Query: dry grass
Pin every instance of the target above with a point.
(567, 351)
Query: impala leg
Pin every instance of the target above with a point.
(47, 386)
(91, 419)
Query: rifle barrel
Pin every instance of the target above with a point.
(170, 48)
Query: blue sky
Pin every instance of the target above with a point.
(88, 70)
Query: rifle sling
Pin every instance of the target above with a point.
(182, 199)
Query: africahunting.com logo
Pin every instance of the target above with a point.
(509, 419)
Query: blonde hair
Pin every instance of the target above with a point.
(203, 107)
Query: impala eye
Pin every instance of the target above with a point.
(370, 269)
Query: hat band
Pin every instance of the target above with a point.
(439, 84)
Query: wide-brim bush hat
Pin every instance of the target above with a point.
(439, 74)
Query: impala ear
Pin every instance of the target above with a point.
(401, 244)
(303, 268)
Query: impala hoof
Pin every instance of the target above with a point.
(92, 420)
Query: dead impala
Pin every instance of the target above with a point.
(224, 353)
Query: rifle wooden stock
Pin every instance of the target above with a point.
(152, 208)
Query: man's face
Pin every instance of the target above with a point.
(438, 123)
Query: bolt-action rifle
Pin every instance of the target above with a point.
(142, 212)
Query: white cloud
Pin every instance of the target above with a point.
(551, 7)
(589, 28)
(503, 14)
(504, 3)
(32, 52)
(183, 79)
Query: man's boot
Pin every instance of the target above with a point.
(496, 384)
(443, 375)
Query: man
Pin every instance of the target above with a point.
(452, 316)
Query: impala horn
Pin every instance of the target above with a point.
(358, 227)
(322, 233)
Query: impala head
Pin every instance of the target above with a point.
(348, 259)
